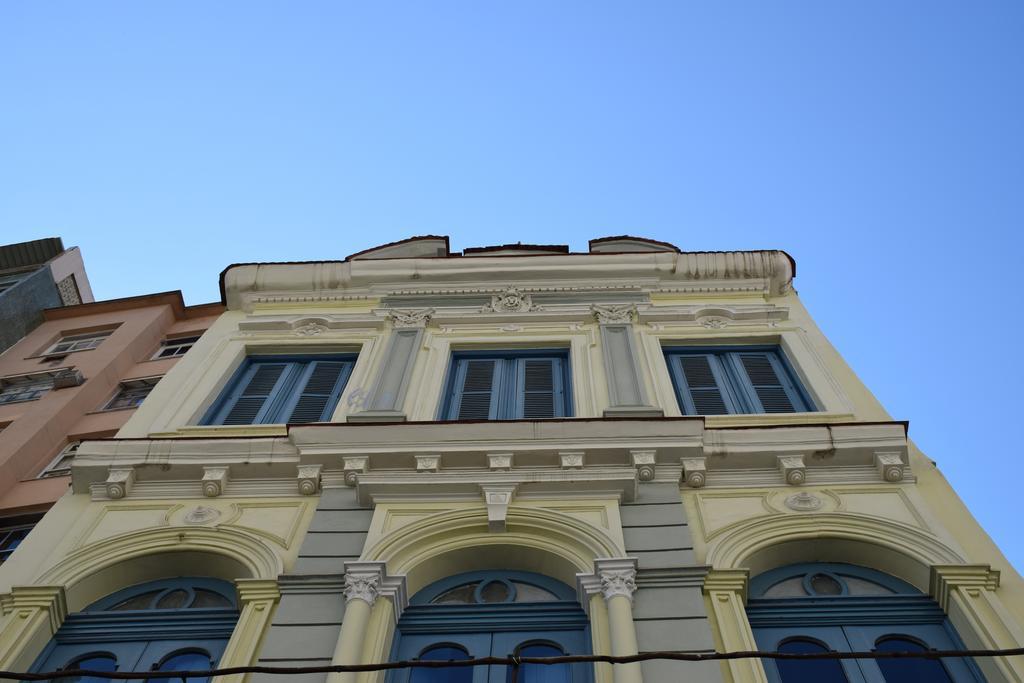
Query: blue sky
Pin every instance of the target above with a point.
(880, 143)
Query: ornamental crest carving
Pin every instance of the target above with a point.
(415, 317)
(512, 300)
(714, 322)
(309, 330)
(614, 314)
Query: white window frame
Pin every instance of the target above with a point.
(175, 343)
(86, 341)
(52, 470)
(128, 385)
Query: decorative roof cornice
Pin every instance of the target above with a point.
(770, 272)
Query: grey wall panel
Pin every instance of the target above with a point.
(300, 641)
(670, 602)
(665, 559)
(313, 608)
(322, 565)
(340, 498)
(291, 678)
(674, 634)
(658, 537)
(341, 520)
(333, 544)
(661, 671)
(650, 515)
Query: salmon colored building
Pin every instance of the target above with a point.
(80, 374)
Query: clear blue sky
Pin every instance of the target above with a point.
(878, 142)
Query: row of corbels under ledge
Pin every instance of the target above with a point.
(642, 459)
(890, 467)
(120, 481)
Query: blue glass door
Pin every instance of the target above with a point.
(911, 638)
(443, 647)
(106, 657)
(818, 639)
(541, 644)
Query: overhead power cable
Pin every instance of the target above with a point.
(515, 662)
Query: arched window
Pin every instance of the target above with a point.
(825, 607)
(169, 625)
(493, 613)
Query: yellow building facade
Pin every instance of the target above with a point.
(512, 450)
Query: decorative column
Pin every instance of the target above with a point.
(36, 612)
(256, 598)
(615, 579)
(588, 588)
(626, 395)
(365, 582)
(384, 403)
(726, 592)
(968, 594)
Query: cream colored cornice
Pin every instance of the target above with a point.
(767, 271)
(418, 458)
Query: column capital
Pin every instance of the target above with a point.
(617, 576)
(971, 577)
(367, 580)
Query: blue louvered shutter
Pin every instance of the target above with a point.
(476, 389)
(702, 384)
(539, 388)
(768, 387)
(317, 392)
(251, 398)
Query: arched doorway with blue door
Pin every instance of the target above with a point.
(822, 607)
(176, 624)
(493, 613)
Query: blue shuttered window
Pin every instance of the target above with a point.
(526, 385)
(273, 390)
(723, 381)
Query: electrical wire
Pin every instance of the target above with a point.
(672, 655)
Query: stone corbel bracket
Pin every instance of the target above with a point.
(695, 472)
(890, 466)
(215, 481)
(309, 479)
(793, 469)
(353, 467)
(644, 462)
(119, 482)
(497, 499)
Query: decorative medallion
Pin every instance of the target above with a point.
(804, 502)
(201, 514)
